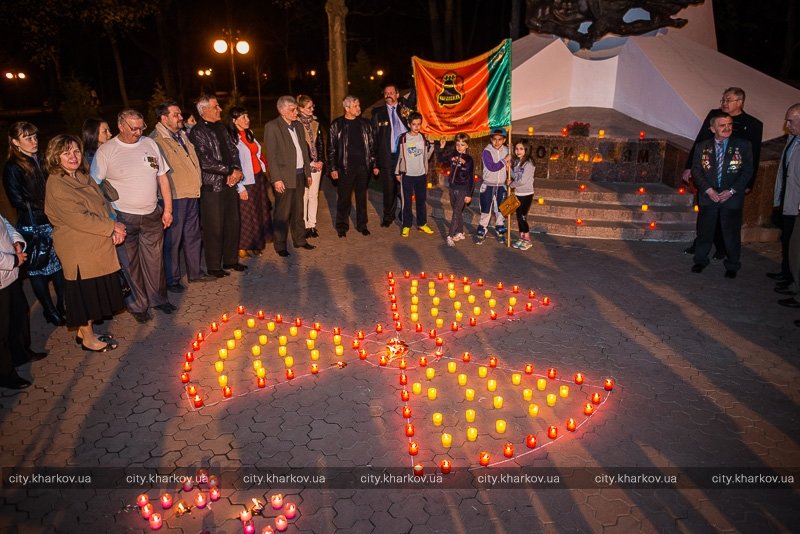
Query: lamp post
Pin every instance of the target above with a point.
(233, 44)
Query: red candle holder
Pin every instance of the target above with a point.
(214, 327)
(571, 424)
(390, 274)
(298, 322)
(528, 306)
(493, 315)
(579, 221)
(276, 501)
(418, 470)
(508, 450)
(642, 134)
(423, 275)
(406, 412)
(500, 286)
(563, 132)
(465, 280)
(396, 316)
(356, 344)
(391, 290)
(289, 374)
(439, 341)
(546, 301)
(418, 327)
(200, 500)
(403, 364)
(155, 521)
(595, 398)
(409, 430)
(582, 187)
(608, 384)
(528, 368)
(403, 379)
(195, 345)
(189, 356)
(530, 441)
(432, 333)
(642, 190)
(473, 321)
(362, 354)
(378, 328)
(552, 432)
(227, 392)
(483, 458)
(262, 382)
(225, 318)
(510, 310)
(191, 390)
(681, 190)
(404, 395)
(454, 326)
(531, 294)
(187, 367)
(406, 274)
(398, 326)
(360, 334)
(184, 377)
(413, 449)
(200, 336)
(588, 409)
(579, 378)
(383, 362)
(551, 373)
(423, 361)
(278, 318)
(260, 314)
(281, 524)
(240, 309)
(493, 362)
(214, 494)
(440, 276)
(146, 511)
(480, 282)
(314, 368)
(438, 353)
(290, 510)
(652, 225)
(445, 466)
(142, 499)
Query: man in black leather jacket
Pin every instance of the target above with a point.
(351, 156)
(219, 201)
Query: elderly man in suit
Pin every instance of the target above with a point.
(290, 174)
(722, 167)
(787, 201)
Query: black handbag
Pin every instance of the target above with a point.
(124, 285)
(39, 246)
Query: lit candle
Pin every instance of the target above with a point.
(185, 378)
(551, 373)
(462, 379)
(579, 378)
(465, 357)
(260, 314)
(447, 440)
(473, 321)
(588, 409)
(251, 323)
(483, 458)
(142, 499)
(500, 426)
(227, 391)
(497, 401)
(642, 134)
(530, 130)
(470, 415)
(262, 382)
(491, 384)
(416, 388)
(404, 396)
(223, 380)
(469, 394)
(198, 401)
(563, 391)
(310, 344)
(423, 361)
(293, 331)
(601, 134)
(563, 132)
(315, 354)
(552, 432)
(493, 362)
(451, 367)
(595, 398)
(430, 372)
(290, 510)
(146, 510)
(527, 394)
(155, 521)
(551, 399)
(418, 470)
(472, 433)
(262, 339)
(413, 448)
(200, 500)
(546, 301)
(276, 501)
(530, 441)
(437, 419)
(214, 494)
(516, 379)
(645, 207)
(246, 515)
(483, 371)
(608, 384)
(237, 334)
(406, 412)
(282, 340)
(289, 374)
(214, 327)
(189, 357)
(187, 367)
(231, 344)
(166, 501)
(432, 393)
(314, 368)
(540, 200)
(445, 466)
(249, 527)
(256, 350)
(278, 318)
(508, 450)
(512, 301)
(339, 350)
(271, 326)
(379, 328)
(533, 410)
(409, 430)
(571, 425)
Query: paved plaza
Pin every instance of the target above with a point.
(705, 371)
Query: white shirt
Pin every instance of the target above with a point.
(133, 169)
(299, 151)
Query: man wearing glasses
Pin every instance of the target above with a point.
(134, 165)
(746, 127)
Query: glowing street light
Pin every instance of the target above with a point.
(234, 44)
(15, 75)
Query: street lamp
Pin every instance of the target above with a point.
(15, 75)
(234, 44)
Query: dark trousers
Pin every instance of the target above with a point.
(15, 327)
(786, 236)
(183, 234)
(719, 243)
(390, 189)
(522, 213)
(730, 219)
(219, 215)
(415, 186)
(288, 215)
(142, 258)
(356, 179)
(41, 288)
(457, 203)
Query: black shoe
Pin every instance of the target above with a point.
(314, 232)
(797, 322)
(176, 288)
(204, 277)
(781, 277)
(789, 303)
(283, 253)
(364, 231)
(719, 256)
(141, 317)
(13, 381)
(307, 246)
(785, 291)
(689, 250)
(730, 274)
(341, 233)
(236, 267)
(218, 273)
(111, 345)
(386, 224)
(783, 285)
(167, 307)
(53, 317)
(698, 268)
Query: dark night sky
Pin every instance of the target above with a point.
(386, 35)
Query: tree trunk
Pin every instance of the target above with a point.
(436, 30)
(790, 43)
(337, 54)
(123, 93)
(516, 16)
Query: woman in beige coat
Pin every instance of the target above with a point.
(84, 235)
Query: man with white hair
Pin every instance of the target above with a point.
(219, 201)
(290, 174)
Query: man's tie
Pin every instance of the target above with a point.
(397, 126)
(720, 161)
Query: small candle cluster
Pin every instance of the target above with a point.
(258, 509)
(198, 490)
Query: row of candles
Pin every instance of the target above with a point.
(156, 521)
(600, 133)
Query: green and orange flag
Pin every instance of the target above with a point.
(472, 96)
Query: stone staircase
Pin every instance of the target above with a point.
(606, 210)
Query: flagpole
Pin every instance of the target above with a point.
(508, 189)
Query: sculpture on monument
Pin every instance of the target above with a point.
(567, 18)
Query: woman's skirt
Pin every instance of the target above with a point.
(92, 299)
(255, 227)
